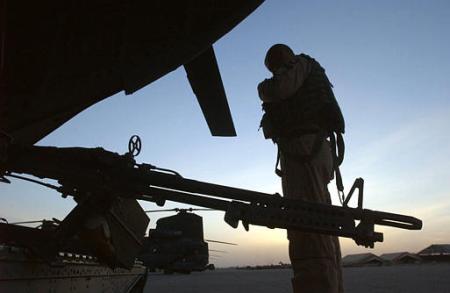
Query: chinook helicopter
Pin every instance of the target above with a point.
(57, 60)
(177, 244)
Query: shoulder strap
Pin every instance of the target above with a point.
(278, 170)
(337, 151)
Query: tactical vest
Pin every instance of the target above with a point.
(312, 108)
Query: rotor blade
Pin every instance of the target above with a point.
(27, 222)
(204, 210)
(179, 210)
(222, 242)
(163, 210)
(220, 251)
(204, 76)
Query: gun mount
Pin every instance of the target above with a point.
(108, 184)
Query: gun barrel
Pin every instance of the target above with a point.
(198, 187)
(171, 181)
(395, 220)
(156, 194)
(277, 212)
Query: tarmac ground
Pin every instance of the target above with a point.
(425, 278)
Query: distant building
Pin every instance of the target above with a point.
(361, 260)
(400, 258)
(436, 252)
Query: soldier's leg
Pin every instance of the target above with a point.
(314, 263)
(337, 250)
(315, 258)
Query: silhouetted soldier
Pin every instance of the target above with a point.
(301, 112)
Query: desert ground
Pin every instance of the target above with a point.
(429, 278)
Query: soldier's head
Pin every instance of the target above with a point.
(277, 56)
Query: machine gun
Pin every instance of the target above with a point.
(108, 184)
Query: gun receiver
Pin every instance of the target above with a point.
(84, 172)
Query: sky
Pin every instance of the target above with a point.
(390, 64)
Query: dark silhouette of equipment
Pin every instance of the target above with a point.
(177, 243)
(109, 223)
(58, 60)
(106, 185)
(53, 66)
(23, 271)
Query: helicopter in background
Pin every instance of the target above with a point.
(177, 244)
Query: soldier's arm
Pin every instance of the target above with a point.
(285, 82)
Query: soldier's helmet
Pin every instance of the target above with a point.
(277, 56)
